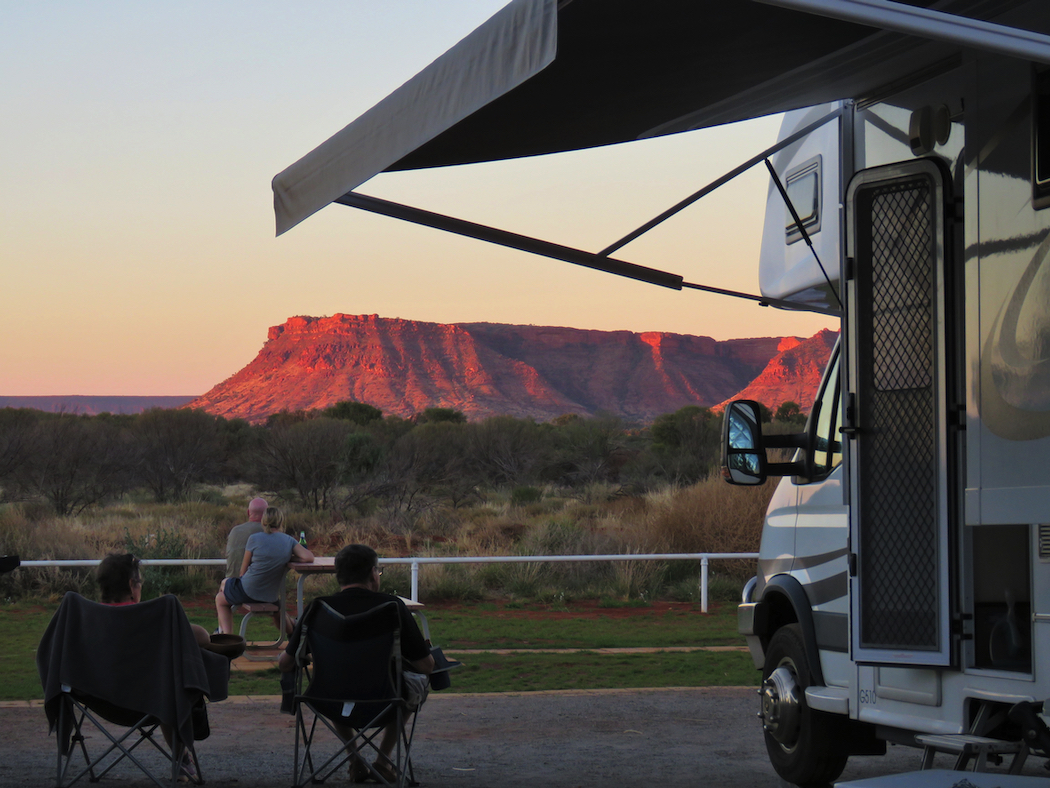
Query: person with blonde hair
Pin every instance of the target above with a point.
(265, 557)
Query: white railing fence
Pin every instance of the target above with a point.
(415, 562)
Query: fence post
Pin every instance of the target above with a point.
(703, 584)
(415, 581)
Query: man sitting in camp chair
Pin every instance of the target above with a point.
(358, 574)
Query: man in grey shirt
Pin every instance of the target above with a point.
(238, 538)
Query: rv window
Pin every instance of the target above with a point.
(803, 189)
(827, 443)
(1041, 141)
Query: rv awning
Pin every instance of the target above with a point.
(543, 76)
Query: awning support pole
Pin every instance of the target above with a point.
(523, 243)
(567, 254)
(747, 165)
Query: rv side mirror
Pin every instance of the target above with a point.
(743, 455)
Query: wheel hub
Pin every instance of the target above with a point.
(781, 708)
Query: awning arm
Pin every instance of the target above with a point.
(555, 251)
(927, 23)
(747, 165)
(523, 243)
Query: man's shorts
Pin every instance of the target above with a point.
(414, 688)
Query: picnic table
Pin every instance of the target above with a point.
(325, 565)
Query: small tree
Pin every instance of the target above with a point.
(788, 411)
(356, 412)
(587, 451)
(74, 462)
(440, 415)
(307, 457)
(16, 430)
(506, 450)
(175, 450)
(686, 444)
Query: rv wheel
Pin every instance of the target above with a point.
(803, 744)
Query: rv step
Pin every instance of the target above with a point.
(968, 746)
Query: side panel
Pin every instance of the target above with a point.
(811, 171)
(1009, 409)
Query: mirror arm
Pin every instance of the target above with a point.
(796, 440)
(785, 468)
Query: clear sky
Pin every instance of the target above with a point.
(137, 145)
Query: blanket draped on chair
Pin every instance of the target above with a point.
(139, 657)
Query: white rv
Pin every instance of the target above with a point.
(904, 585)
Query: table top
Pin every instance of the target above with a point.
(321, 564)
(325, 564)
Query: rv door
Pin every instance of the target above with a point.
(901, 489)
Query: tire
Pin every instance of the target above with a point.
(804, 746)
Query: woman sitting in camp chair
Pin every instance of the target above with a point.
(119, 584)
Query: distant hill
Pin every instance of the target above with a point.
(793, 374)
(486, 369)
(92, 406)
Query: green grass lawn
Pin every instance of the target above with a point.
(488, 626)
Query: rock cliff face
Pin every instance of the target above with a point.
(793, 374)
(486, 369)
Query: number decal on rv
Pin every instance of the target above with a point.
(868, 697)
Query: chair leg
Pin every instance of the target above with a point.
(76, 713)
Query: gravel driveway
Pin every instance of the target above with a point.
(666, 737)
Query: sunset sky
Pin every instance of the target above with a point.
(139, 140)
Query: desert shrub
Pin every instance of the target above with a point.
(638, 579)
(179, 580)
(211, 495)
(520, 496)
(397, 579)
(711, 517)
(451, 581)
(33, 533)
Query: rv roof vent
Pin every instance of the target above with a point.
(1044, 541)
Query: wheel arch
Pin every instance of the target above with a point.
(783, 602)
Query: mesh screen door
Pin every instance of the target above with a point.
(899, 513)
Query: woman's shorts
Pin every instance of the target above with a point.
(234, 592)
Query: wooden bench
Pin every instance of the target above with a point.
(250, 609)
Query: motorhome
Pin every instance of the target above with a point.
(903, 589)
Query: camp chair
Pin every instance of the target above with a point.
(133, 667)
(355, 682)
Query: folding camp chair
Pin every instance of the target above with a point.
(136, 668)
(355, 684)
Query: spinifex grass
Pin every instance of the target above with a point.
(578, 625)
